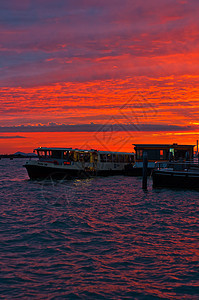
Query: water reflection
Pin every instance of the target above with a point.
(100, 238)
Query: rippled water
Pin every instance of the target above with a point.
(101, 238)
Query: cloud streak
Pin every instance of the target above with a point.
(12, 137)
(117, 127)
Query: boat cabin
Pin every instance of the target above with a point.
(69, 155)
(161, 152)
(66, 155)
(78, 163)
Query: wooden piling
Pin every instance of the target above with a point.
(144, 171)
(187, 156)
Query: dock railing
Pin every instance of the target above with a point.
(178, 165)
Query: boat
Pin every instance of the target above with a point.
(73, 163)
(176, 174)
(158, 153)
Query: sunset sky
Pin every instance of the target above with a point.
(98, 74)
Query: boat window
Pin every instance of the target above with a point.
(131, 158)
(109, 157)
(56, 154)
(103, 157)
(95, 156)
(114, 157)
(92, 157)
(76, 156)
(121, 158)
(87, 157)
(71, 156)
(81, 156)
(163, 154)
(127, 158)
(48, 153)
(171, 150)
(65, 155)
(41, 153)
(139, 154)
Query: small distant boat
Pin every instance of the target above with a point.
(70, 163)
(176, 174)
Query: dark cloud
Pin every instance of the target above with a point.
(107, 127)
(12, 137)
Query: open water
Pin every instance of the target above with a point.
(100, 238)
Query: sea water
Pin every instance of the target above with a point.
(95, 238)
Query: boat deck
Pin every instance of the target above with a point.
(185, 175)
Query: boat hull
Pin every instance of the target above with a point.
(175, 179)
(41, 172)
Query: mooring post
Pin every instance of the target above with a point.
(187, 160)
(197, 154)
(187, 156)
(144, 171)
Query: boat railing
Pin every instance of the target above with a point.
(178, 165)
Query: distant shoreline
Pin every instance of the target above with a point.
(17, 156)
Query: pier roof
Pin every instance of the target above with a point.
(174, 145)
